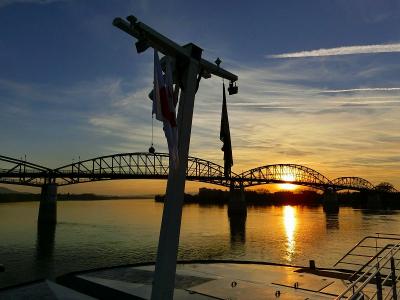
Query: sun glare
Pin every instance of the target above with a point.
(288, 177)
(288, 186)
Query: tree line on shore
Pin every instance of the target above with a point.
(208, 196)
(303, 197)
(25, 197)
(253, 197)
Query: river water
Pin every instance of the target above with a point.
(93, 234)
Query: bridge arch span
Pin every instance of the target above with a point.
(352, 183)
(386, 187)
(285, 173)
(138, 165)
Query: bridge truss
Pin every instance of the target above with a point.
(386, 187)
(21, 172)
(140, 165)
(111, 167)
(353, 183)
(285, 173)
(144, 165)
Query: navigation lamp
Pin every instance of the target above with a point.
(141, 46)
(152, 150)
(218, 61)
(232, 89)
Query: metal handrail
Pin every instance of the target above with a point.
(358, 291)
(378, 266)
(376, 256)
(358, 245)
(394, 234)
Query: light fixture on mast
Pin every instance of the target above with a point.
(233, 88)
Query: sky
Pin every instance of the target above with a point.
(319, 84)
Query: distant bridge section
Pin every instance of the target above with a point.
(386, 187)
(353, 183)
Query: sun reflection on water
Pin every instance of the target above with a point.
(289, 215)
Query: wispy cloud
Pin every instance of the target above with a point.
(346, 50)
(362, 90)
(4, 3)
(288, 112)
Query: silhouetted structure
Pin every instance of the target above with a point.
(45, 240)
(156, 166)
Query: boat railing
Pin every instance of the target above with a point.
(367, 250)
(378, 277)
(371, 261)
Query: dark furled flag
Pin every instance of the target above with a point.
(225, 137)
(164, 107)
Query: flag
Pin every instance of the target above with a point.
(225, 137)
(164, 107)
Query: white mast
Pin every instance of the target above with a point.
(189, 65)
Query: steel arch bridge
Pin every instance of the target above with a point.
(285, 173)
(144, 165)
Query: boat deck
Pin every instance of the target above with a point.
(193, 281)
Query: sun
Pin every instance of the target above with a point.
(287, 186)
(288, 177)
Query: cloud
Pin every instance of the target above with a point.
(346, 50)
(4, 3)
(392, 89)
(79, 97)
(285, 112)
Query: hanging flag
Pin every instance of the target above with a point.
(225, 137)
(164, 107)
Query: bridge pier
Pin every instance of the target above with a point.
(48, 204)
(237, 203)
(330, 202)
(374, 201)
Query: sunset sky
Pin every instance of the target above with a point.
(319, 83)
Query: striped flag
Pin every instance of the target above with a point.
(164, 107)
(225, 137)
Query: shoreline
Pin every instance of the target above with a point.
(215, 197)
(20, 197)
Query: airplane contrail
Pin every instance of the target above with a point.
(347, 50)
(362, 90)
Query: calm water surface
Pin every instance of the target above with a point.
(94, 234)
